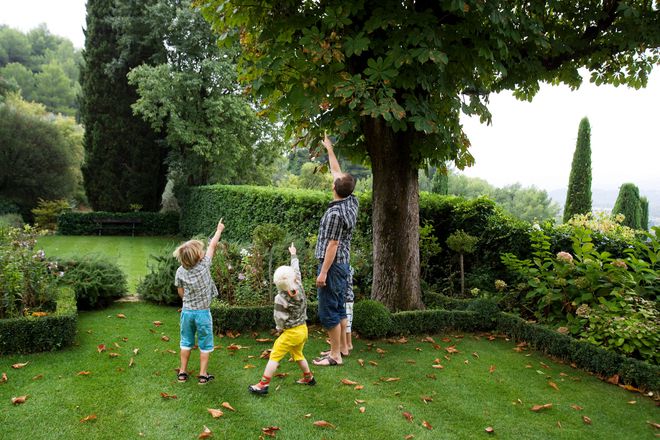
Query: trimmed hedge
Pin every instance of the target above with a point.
(434, 321)
(150, 223)
(46, 333)
(250, 318)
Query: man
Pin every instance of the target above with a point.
(333, 252)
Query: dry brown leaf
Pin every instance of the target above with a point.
(576, 407)
(358, 387)
(281, 374)
(206, 433)
(167, 396)
(270, 431)
(409, 437)
(428, 339)
(228, 406)
(614, 379)
(165, 338)
(475, 354)
(452, 349)
(88, 418)
(447, 357)
(375, 364)
(18, 400)
(113, 355)
(586, 420)
(116, 345)
(121, 316)
(466, 362)
(431, 376)
(4, 378)
(553, 385)
(438, 367)
(380, 351)
(215, 412)
(348, 382)
(84, 373)
(436, 361)
(362, 409)
(248, 366)
(418, 349)
(324, 424)
(131, 363)
(408, 416)
(361, 362)
(426, 425)
(135, 351)
(170, 351)
(158, 323)
(402, 340)
(437, 346)
(264, 340)
(446, 339)
(427, 399)
(17, 366)
(234, 347)
(558, 424)
(563, 374)
(38, 376)
(491, 370)
(545, 366)
(359, 401)
(411, 361)
(489, 430)
(307, 416)
(265, 354)
(631, 388)
(537, 408)
(390, 379)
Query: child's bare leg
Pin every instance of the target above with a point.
(184, 356)
(349, 341)
(308, 377)
(304, 366)
(203, 363)
(271, 367)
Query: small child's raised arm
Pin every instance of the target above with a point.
(210, 251)
(292, 249)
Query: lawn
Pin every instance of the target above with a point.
(486, 383)
(130, 253)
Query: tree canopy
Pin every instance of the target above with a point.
(392, 77)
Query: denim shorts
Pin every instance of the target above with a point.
(196, 321)
(331, 296)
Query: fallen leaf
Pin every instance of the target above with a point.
(418, 349)
(215, 412)
(18, 400)
(409, 437)
(361, 362)
(563, 374)
(362, 409)
(489, 430)
(307, 416)
(426, 425)
(632, 402)
(537, 408)
(100, 348)
(375, 364)
(264, 340)
(88, 418)
(428, 339)
(447, 357)
(553, 385)
(121, 316)
(431, 376)
(4, 378)
(446, 339)
(265, 354)
(411, 361)
(475, 354)
(116, 345)
(452, 349)
(281, 374)
(38, 376)
(206, 433)
(131, 363)
(170, 351)
(228, 406)
(408, 416)
(167, 396)
(402, 340)
(491, 370)
(17, 366)
(234, 347)
(439, 367)
(135, 351)
(113, 355)
(380, 351)
(576, 407)
(631, 388)
(466, 362)
(558, 424)
(84, 373)
(358, 387)
(359, 401)
(324, 424)
(586, 420)
(427, 399)
(158, 323)
(348, 382)
(270, 431)
(165, 338)
(655, 425)
(247, 366)
(437, 346)
(390, 379)
(39, 314)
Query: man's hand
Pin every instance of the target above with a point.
(327, 143)
(320, 280)
(292, 249)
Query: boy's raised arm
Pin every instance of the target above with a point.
(210, 251)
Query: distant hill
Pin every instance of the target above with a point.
(603, 200)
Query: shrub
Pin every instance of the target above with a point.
(47, 211)
(36, 332)
(11, 221)
(28, 281)
(227, 317)
(8, 207)
(371, 319)
(486, 309)
(96, 282)
(147, 223)
(158, 285)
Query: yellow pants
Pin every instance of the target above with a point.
(292, 340)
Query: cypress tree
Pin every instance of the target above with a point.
(628, 204)
(124, 159)
(578, 195)
(644, 219)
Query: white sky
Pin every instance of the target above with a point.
(530, 143)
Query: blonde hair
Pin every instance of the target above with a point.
(285, 278)
(189, 253)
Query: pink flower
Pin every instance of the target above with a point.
(565, 257)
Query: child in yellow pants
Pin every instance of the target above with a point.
(290, 313)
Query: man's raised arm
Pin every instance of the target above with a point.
(334, 163)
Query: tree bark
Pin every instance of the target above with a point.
(395, 218)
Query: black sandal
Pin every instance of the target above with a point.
(203, 380)
(182, 377)
(257, 390)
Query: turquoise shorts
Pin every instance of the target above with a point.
(200, 322)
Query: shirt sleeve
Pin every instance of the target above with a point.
(177, 280)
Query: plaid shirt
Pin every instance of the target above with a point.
(337, 224)
(198, 286)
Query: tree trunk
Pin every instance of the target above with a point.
(395, 218)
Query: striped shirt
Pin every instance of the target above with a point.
(338, 223)
(291, 311)
(198, 286)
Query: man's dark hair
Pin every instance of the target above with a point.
(345, 185)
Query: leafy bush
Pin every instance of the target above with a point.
(47, 211)
(28, 282)
(147, 223)
(43, 331)
(158, 285)
(371, 319)
(8, 207)
(11, 221)
(96, 282)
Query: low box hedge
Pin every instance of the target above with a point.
(145, 223)
(250, 318)
(45, 333)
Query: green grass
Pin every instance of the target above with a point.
(130, 253)
(467, 397)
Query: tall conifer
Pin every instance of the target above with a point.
(578, 196)
(644, 219)
(628, 204)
